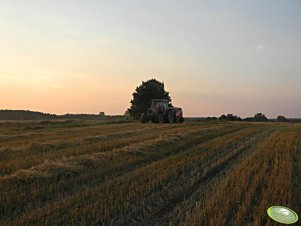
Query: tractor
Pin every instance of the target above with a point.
(160, 112)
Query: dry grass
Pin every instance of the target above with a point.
(134, 174)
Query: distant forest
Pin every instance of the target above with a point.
(32, 115)
(258, 117)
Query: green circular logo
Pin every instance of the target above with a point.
(282, 214)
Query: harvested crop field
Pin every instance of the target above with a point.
(195, 173)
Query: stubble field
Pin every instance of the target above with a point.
(195, 173)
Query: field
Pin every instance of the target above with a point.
(195, 173)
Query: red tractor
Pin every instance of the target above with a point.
(160, 112)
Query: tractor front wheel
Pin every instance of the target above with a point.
(143, 118)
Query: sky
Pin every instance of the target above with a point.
(214, 57)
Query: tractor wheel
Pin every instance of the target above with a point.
(160, 118)
(153, 118)
(181, 120)
(143, 118)
(171, 117)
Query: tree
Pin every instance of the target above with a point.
(230, 117)
(223, 117)
(259, 117)
(148, 90)
(281, 118)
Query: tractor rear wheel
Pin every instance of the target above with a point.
(160, 118)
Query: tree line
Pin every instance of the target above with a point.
(34, 115)
(258, 117)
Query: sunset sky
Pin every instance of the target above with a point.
(215, 57)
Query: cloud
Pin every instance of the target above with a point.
(260, 47)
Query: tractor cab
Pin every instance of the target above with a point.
(159, 105)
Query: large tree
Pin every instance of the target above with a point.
(148, 90)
